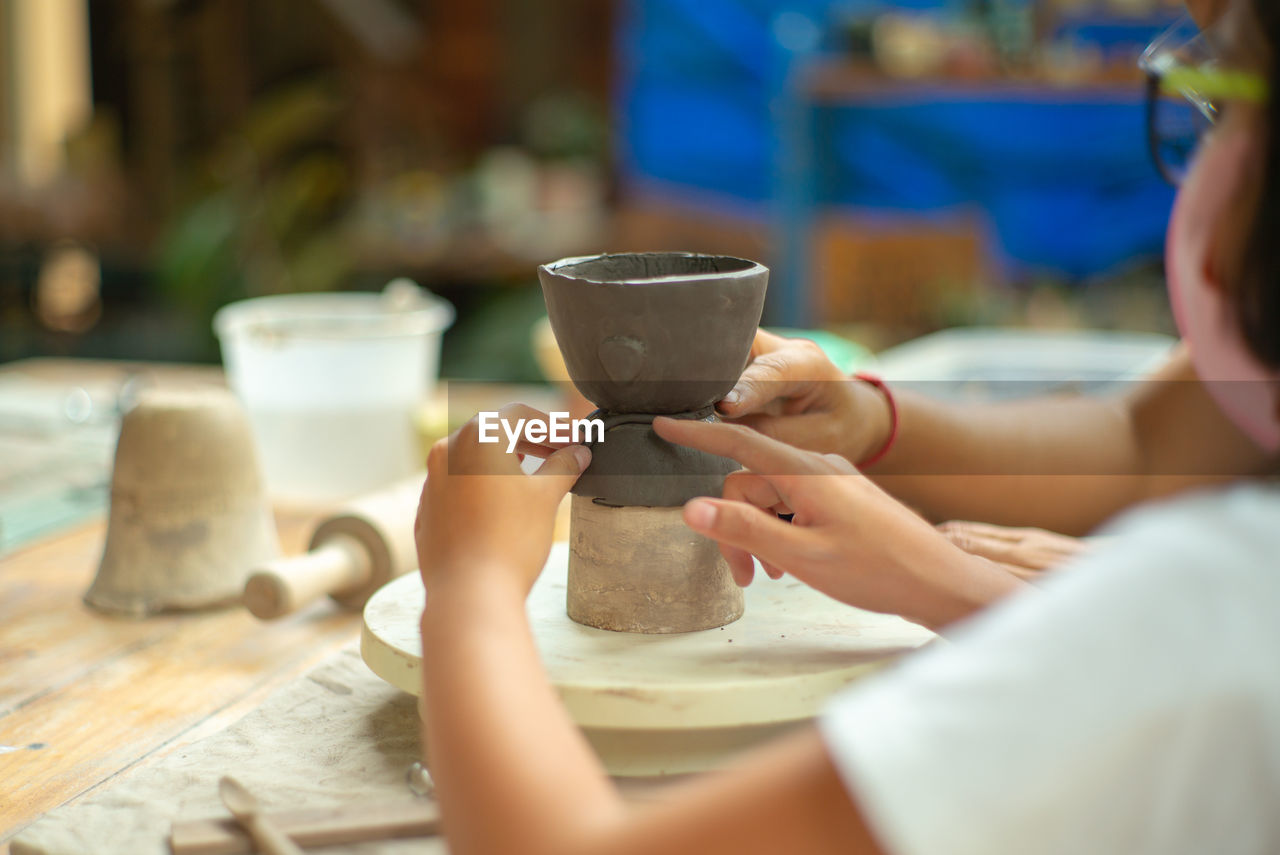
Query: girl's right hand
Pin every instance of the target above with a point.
(791, 391)
(847, 538)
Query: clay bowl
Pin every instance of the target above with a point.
(662, 332)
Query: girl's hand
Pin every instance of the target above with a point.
(791, 391)
(1025, 552)
(481, 518)
(848, 538)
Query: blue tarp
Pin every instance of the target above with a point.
(1065, 180)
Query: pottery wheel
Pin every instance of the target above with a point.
(666, 704)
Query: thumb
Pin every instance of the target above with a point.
(562, 467)
(762, 381)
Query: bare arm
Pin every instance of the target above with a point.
(1064, 464)
(515, 776)
(513, 773)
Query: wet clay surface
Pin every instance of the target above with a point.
(634, 466)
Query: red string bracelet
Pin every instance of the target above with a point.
(893, 418)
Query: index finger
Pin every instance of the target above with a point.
(765, 341)
(761, 454)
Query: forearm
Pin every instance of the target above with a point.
(513, 772)
(1061, 464)
(514, 775)
(967, 585)
(1064, 464)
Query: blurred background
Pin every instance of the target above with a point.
(901, 166)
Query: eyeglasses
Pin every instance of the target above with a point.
(1186, 90)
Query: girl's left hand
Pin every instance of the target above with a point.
(481, 518)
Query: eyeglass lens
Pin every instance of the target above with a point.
(1177, 127)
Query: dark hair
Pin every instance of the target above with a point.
(1258, 294)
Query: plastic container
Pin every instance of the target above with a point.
(331, 383)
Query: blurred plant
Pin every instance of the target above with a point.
(566, 125)
(265, 209)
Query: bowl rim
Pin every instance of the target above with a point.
(749, 269)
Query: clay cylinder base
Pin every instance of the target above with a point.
(639, 569)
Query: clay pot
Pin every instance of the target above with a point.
(666, 332)
(189, 515)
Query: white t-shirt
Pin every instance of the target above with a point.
(1131, 706)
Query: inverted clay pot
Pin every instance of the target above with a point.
(189, 515)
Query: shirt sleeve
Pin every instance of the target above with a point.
(1109, 713)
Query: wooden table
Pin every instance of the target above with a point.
(84, 696)
(99, 694)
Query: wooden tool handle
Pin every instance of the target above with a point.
(307, 828)
(359, 549)
(287, 584)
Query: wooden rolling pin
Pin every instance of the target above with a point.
(352, 554)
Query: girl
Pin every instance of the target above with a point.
(1132, 705)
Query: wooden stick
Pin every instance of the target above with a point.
(245, 808)
(314, 827)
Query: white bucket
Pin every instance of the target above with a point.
(331, 382)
